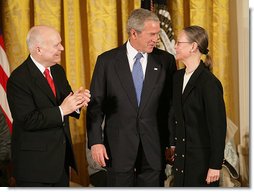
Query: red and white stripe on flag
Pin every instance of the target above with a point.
(4, 75)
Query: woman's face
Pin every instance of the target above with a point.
(183, 47)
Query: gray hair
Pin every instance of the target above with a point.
(36, 36)
(138, 17)
(33, 38)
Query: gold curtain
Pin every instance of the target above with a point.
(214, 17)
(90, 27)
(87, 27)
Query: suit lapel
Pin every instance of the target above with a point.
(192, 82)
(153, 69)
(177, 92)
(178, 87)
(123, 71)
(40, 80)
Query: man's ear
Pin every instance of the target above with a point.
(38, 50)
(133, 33)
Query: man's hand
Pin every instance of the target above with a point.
(99, 154)
(75, 101)
(170, 155)
(85, 93)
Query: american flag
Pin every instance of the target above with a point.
(4, 75)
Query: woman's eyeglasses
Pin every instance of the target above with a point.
(179, 42)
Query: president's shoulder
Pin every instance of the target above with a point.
(162, 53)
(113, 51)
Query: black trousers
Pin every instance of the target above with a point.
(142, 175)
(99, 179)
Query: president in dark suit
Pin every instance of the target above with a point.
(133, 145)
(41, 141)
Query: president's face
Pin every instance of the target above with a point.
(147, 39)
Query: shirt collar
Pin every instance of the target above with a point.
(132, 52)
(39, 66)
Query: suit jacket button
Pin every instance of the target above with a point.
(182, 155)
(183, 139)
(175, 138)
(182, 171)
(176, 169)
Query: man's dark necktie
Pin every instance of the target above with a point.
(50, 81)
(138, 76)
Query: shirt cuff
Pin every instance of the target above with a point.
(62, 115)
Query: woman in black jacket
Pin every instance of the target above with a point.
(199, 116)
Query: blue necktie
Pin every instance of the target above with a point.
(138, 77)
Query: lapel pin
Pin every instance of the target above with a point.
(155, 69)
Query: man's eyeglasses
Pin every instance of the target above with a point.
(179, 42)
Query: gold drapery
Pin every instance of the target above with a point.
(90, 27)
(214, 17)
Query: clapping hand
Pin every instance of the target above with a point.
(84, 96)
(75, 101)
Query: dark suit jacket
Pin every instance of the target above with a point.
(200, 126)
(39, 136)
(5, 140)
(126, 124)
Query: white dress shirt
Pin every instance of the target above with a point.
(131, 54)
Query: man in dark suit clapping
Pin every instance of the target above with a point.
(40, 105)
